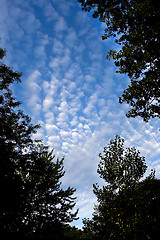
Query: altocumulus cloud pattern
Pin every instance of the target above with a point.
(70, 88)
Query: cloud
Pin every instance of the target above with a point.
(64, 6)
(58, 47)
(51, 129)
(48, 103)
(71, 38)
(40, 132)
(40, 50)
(91, 105)
(54, 142)
(60, 64)
(85, 202)
(89, 78)
(32, 93)
(83, 22)
(60, 25)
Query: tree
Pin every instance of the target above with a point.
(32, 200)
(15, 133)
(128, 208)
(121, 168)
(148, 208)
(49, 207)
(73, 233)
(135, 25)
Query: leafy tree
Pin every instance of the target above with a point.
(147, 209)
(121, 168)
(135, 25)
(127, 207)
(73, 233)
(32, 202)
(89, 229)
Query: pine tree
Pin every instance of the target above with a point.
(32, 201)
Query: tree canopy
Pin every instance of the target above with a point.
(119, 167)
(135, 25)
(32, 201)
(128, 207)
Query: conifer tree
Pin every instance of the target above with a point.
(32, 201)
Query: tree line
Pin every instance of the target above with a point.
(33, 205)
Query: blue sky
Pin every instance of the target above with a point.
(70, 88)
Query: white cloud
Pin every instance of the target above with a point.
(85, 202)
(60, 64)
(50, 12)
(84, 24)
(51, 129)
(49, 116)
(58, 47)
(65, 146)
(64, 6)
(33, 91)
(91, 105)
(63, 106)
(32, 81)
(75, 136)
(62, 120)
(48, 103)
(54, 142)
(40, 134)
(89, 78)
(40, 49)
(60, 25)
(71, 38)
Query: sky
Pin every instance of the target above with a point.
(71, 89)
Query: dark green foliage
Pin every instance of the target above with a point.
(72, 233)
(147, 209)
(127, 207)
(32, 202)
(121, 167)
(15, 133)
(48, 206)
(135, 25)
(90, 229)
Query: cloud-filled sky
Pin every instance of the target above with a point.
(70, 88)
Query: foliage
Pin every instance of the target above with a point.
(73, 233)
(128, 208)
(32, 201)
(89, 229)
(121, 168)
(135, 25)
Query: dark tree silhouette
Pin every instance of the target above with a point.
(32, 201)
(127, 208)
(135, 25)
